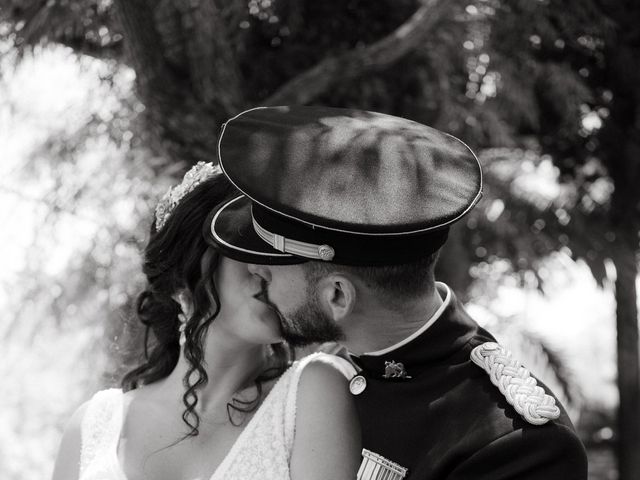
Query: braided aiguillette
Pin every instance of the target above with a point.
(516, 383)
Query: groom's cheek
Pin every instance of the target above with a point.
(287, 288)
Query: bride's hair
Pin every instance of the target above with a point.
(177, 258)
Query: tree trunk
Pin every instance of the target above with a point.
(186, 75)
(628, 445)
(621, 140)
(189, 80)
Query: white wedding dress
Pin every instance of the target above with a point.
(262, 451)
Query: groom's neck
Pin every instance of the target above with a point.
(376, 325)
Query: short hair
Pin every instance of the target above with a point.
(395, 283)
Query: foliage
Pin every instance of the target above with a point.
(542, 88)
(88, 27)
(77, 189)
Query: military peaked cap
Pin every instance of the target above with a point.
(343, 186)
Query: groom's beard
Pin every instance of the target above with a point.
(308, 324)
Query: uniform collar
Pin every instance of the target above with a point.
(445, 292)
(448, 329)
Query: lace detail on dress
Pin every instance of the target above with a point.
(262, 451)
(101, 427)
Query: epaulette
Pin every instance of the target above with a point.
(516, 383)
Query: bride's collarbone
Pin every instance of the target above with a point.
(166, 458)
(153, 444)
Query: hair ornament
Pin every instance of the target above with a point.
(199, 173)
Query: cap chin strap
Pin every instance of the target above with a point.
(294, 247)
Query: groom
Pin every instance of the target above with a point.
(343, 215)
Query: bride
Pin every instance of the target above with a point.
(216, 397)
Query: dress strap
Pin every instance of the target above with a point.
(338, 362)
(101, 426)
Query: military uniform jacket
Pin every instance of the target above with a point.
(448, 421)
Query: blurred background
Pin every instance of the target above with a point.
(105, 103)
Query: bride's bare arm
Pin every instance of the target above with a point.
(67, 465)
(327, 437)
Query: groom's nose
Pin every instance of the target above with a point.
(261, 271)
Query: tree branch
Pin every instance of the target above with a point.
(355, 63)
(81, 46)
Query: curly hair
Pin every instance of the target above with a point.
(177, 258)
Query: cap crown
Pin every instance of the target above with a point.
(350, 170)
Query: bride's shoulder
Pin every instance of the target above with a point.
(325, 411)
(68, 458)
(75, 421)
(101, 397)
(324, 378)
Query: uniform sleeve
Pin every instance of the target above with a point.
(552, 452)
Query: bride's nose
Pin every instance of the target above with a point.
(261, 271)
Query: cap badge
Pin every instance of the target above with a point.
(516, 383)
(376, 467)
(357, 385)
(326, 253)
(395, 370)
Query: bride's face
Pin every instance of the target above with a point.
(242, 315)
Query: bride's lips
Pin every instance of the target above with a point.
(263, 296)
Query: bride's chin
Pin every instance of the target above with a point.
(270, 319)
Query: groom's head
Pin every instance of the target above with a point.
(341, 208)
(316, 300)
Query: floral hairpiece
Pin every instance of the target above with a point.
(199, 173)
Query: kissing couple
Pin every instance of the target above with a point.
(319, 228)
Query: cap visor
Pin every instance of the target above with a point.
(229, 229)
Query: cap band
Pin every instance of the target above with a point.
(295, 247)
(316, 243)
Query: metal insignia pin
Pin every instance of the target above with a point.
(395, 370)
(326, 253)
(357, 385)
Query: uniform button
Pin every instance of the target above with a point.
(357, 385)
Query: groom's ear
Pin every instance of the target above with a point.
(337, 295)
